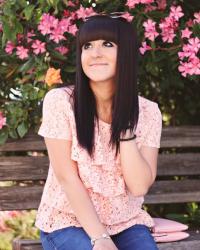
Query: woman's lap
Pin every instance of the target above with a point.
(137, 237)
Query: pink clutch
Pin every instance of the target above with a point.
(168, 230)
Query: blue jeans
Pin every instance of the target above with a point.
(137, 237)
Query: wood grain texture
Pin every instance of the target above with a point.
(23, 168)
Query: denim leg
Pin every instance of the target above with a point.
(70, 238)
(137, 237)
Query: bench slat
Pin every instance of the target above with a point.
(19, 197)
(179, 164)
(178, 137)
(15, 167)
(193, 242)
(174, 192)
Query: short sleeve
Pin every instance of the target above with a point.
(154, 120)
(55, 115)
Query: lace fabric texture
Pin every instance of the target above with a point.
(116, 207)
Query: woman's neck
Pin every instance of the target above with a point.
(104, 95)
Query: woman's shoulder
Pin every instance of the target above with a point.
(149, 108)
(59, 94)
(146, 104)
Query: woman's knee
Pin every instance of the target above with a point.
(137, 237)
(70, 238)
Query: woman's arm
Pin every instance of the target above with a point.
(66, 172)
(139, 167)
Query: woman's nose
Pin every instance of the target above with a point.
(96, 52)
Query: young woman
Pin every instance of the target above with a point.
(102, 141)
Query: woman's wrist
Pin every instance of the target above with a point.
(104, 236)
(129, 135)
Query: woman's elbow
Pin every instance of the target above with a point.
(139, 191)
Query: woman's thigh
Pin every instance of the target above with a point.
(70, 238)
(137, 237)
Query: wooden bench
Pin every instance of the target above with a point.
(29, 173)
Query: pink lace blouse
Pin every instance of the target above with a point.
(116, 207)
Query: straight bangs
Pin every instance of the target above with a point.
(98, 28)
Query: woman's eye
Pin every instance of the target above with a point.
(86, 45)
(108, 44)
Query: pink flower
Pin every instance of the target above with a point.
(22, 52)
(84, 12)
(66, 13)
(161, 4)
(73, 29)
(64, 24)
(131, 3)
(70, 4)
(38, 47)
(194, 65)
(176, 12)
(128, 17)
(9, 47)
(146, 1)
(1, 27)
(150, 30)
(168, 36)
(63, 50)
(144, 48)
(20, 37)
(29, 35)
(191, 68)
(186, 33)
(197, 17)
(184, 68)
(149, 8)
(187, 52)
(189, 23)
(47, 23)
(194, 44)
(2, 120)
(57, 35)
(168, 27)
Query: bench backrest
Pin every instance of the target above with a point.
(179, 156)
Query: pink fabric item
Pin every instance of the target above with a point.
(102, 176)
(166, 230)
(169, 237)
(165, 226)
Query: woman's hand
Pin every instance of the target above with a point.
(104, 244)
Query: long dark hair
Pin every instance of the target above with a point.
(125, 107)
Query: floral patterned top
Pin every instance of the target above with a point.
(102, 176)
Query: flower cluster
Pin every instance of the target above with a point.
(2, 120)
(167, 29)
(49, 29)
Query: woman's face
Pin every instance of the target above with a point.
(98, 60)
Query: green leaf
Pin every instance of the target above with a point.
(18, 27)
(28, 11)
(57, 55)
(27, 65)
(3, 136)
(7, 31)
(13, 134)
(70, 69)
(22, 129)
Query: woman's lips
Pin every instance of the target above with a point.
(98, 64)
